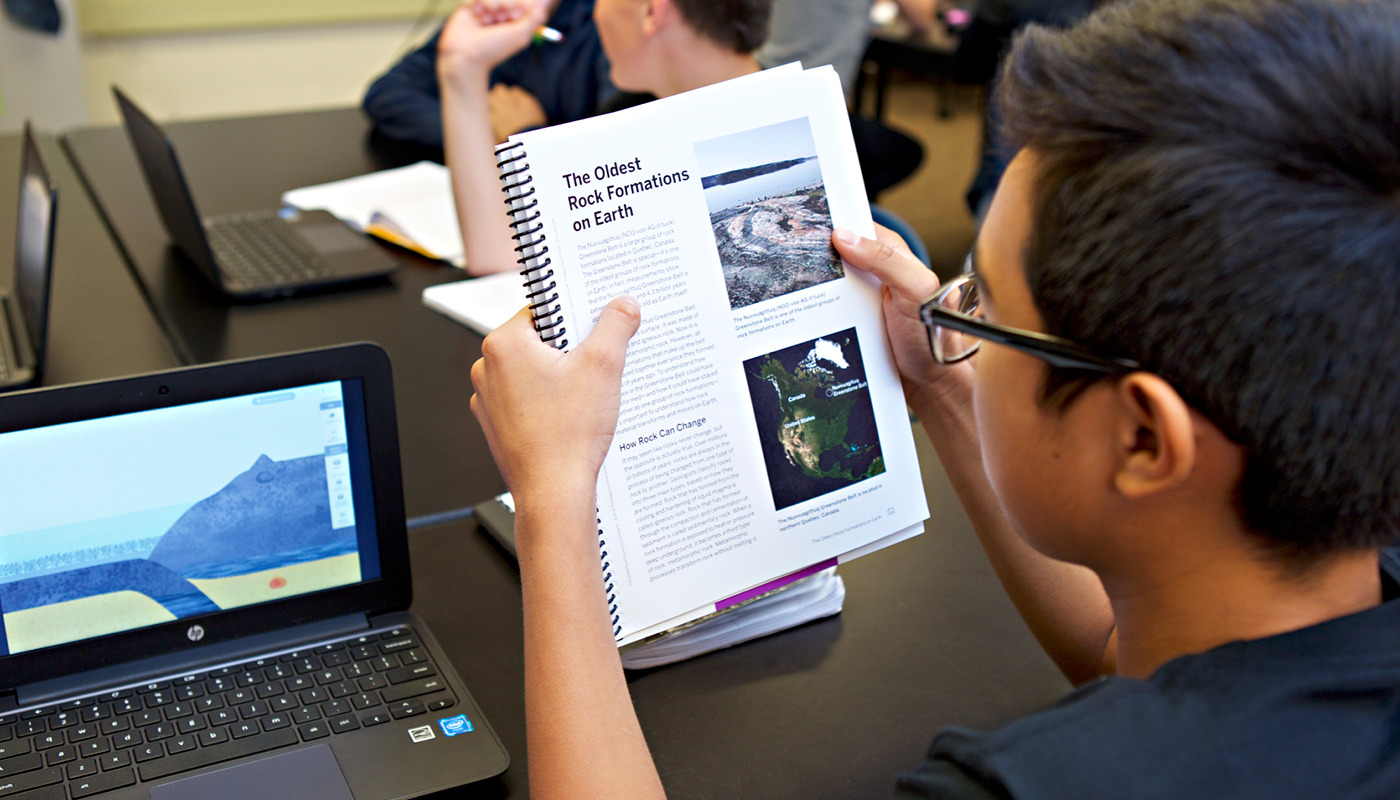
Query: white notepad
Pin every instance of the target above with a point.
(482, 304)
(414, 202)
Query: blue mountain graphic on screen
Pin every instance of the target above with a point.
(276, 510)
(274, 514)
(176, 594)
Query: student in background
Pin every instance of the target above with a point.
(554, 82)
(1168, 408)
(540, 84)
(980, 48)
(834, 32)
(658, 47)
(818, 32)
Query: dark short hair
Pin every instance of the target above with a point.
(738, 25)
(1218, 197)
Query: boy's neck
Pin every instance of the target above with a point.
(1216, 600)
(713, 67)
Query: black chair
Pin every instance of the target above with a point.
(886, 155)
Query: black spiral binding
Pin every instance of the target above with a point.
(540, 293)
(607, 580)
(545, 310)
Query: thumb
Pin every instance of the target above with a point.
(617, 323)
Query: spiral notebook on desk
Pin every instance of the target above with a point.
(762, 431)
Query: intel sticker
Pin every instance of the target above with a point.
(451, 726)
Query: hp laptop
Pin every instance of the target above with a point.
(24, 311)
(203, 577)
(256, 254)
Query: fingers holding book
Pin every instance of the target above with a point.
(549, 415)
(907, 283)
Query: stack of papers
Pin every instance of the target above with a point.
(410, 206)
(821, 595)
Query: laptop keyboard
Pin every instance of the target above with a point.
(260, 250)
(102, 742)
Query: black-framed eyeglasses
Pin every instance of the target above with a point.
(953, 316)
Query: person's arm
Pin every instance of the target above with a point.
(1064, 605)
(549, 417)
(476, 38)
(403, 102)
(921, 14)
(513, 110)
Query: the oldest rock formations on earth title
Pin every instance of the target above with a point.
(591, 198)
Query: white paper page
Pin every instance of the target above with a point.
(689, 512)
(482, 304)
(416, 200)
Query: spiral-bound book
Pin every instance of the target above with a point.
(763, 432)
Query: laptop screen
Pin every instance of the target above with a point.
(138, 519)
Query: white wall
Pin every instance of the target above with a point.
(41, 75)
(201, 75)
(64, 82)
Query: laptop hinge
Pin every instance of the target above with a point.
(203, 658)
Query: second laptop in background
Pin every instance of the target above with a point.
(255, 254)
(24, 308)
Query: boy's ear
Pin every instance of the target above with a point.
(657, 14)
(1157, 449)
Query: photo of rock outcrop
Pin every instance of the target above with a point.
(768, 211)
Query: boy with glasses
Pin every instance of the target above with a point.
(1166, 396)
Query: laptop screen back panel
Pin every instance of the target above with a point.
(174, 201)
(34, 243)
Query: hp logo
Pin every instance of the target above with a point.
(195, 633)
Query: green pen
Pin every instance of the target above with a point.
(544, 33)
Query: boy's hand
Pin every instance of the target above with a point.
(907, 283)
(482, 33)
(549, 415)
(513, 110)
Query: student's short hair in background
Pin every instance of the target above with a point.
(1219, 198)
(739, 25)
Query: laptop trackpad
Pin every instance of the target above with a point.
(328, 238)
(310, 774)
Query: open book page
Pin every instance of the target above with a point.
(410, 206)
(763, 428)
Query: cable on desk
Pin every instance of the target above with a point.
(414, 523)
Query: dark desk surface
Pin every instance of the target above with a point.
(247, 163)
(99, 326)
(834, 709)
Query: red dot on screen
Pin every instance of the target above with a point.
(277, 583)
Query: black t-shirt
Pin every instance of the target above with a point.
(1313, 713)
